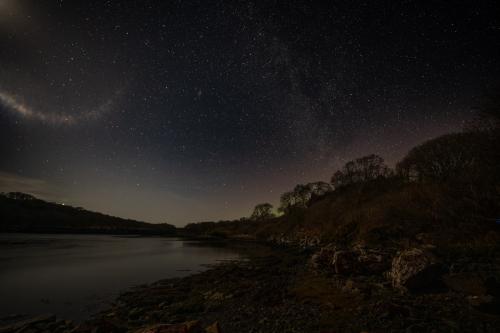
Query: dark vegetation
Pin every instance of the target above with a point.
(446, 189)
(20, 212)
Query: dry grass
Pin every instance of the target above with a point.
(385, 213)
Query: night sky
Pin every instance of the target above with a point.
(181, 111)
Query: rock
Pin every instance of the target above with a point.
(392, 310)
(323, 258)
(25, 324)
(425, 238)
(308, 242)
(346, 262)
(12, 317)
(192, 326)
(214, 328)
(357, 287)
(83, 328)
(358, 260)
(135, 313)
(280, 240)
(468, 283)
(301, 239)
(214, 296)
(107, 326)
(187, 327)
(415, 270)
(374, 261)
(479, 300)
(418, 328)
(486, 303)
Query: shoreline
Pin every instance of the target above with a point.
(180, 299)
(278, 289)
(71, 290)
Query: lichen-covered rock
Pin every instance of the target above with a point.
(415, 269)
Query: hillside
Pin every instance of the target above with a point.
(457, 206)
(384, 213)
(21, 212)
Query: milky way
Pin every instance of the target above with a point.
(193, 110)
(12, 104)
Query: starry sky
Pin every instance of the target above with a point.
(182, 111)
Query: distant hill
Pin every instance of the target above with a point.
(21, 212)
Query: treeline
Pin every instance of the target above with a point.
(466, 163)
(21, 212)
(470, 158)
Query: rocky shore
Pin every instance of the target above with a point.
(314, 289)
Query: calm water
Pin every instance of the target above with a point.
(76, 275)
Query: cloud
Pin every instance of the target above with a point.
(15, 105)
(42, 189)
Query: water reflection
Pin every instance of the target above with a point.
(75, 275)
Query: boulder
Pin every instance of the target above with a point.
(346, 262)
(415, 270)
(351, 261)
(374, 261)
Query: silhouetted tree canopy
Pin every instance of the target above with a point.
(287, 200)
(362, 169)
(262, 211)
(302, 194)
(296, 198)
(453, 157)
